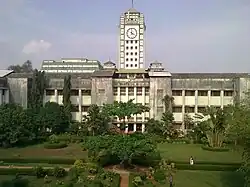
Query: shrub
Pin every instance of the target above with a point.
(59, 172)
(55, 145)
(159, 175)
(40, 172)
(215, 149)
(207, 167)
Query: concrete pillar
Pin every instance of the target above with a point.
(127, 94)
(134, 127)
(143, 102)
(56, 96)
(209, 97)
(80, 104)
(119, 93)
(143, 128)
(222, 98)
(183, 110)
(135, 101)
(196, 102)
(7, 96)
(1, 96)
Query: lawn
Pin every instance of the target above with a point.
(38, 151)
(182, 152)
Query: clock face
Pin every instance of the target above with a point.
(131, 33)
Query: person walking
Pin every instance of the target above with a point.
(171, 180)
(191, 161)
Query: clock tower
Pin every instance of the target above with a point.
(131, 48)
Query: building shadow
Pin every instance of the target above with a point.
(232, 179)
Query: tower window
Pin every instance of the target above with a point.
(135, 65)
(131, 41)
(136, 41)
(131, 53)
(127, 41)
(126, 53)
(127, 47)
(126, 65)
(131, 59)
(126, 59)
(135, 53)
(131, 47)
(135, 47)
(135, 59)
(131, 65)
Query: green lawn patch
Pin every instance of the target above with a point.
(182, 153)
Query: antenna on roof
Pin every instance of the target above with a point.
(132, 3)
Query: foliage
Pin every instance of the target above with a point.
(66, 97)
(125, 149)
(26, 67)
(37, 90)
(59, 172)
(96, 121)
(59, 145)
(40, 172)
(124, 110)
(15, 125)
(215, 149)
(213, 124)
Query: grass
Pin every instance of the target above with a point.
(182, 152)
(205, 179)
(38, 151)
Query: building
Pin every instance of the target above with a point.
(192, 92)
(71, 65)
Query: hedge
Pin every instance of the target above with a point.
(59, 145)
(23, 171)
(238, 164)
(215, 149)
(64, 161)
(207, 167)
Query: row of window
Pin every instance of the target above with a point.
(132, 47)
(190, 109)
(131, 119)
(72, 92)
(131, 65)
(131, 59)
(132, 41)
(202, 93)
(131, 53)
(131, 91)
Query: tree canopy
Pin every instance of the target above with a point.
(26, 67)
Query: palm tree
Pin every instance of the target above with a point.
(213, 124)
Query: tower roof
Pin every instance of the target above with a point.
(132, 10)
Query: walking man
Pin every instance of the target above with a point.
(171, 180)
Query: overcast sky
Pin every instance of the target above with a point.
(185, 35)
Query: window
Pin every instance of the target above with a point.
(85, 108)
(130, 91)
(177, 109)
(127, 47)
(135, 59)
(101, 91)
(189, 93)
(86, 92)
(189, 109)
(131, 59)
(123, 91)
(74, 92)
(126, 65)
(135, 65)
(138, 118)
(228, 93)
(50, 92)
(131, 53)
(59, 92)
(139, 91)
(146, 90)
(135, 47)
(131, 65)
(131, 41)
(75, 108)
(176, 93)
(201, 109)
(136, 41)
(215, 93)
(115, 91)
(127, 41)
(136, 53)
(126, 53)
(126, 59)
(131, 47)
(202, 93)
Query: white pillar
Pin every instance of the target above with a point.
(183, 110)
(56, 96)
(134, 127)
(7, 96)
(222, 98)
(135, 101)
(1, 96)
(126, 129)
(143, 128)
(119, 93)
(80, 104)
(196, 102)
(209, 97)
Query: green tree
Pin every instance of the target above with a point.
(155, 127)
(167, 116)
(125, 110)
(37, 90)
(214, 124)
(96, 121)
(15, 126)
(26, 67)
(52, 119)
(66, 96)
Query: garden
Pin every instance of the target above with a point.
(42, 146)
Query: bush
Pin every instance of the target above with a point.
(59, 172)
(40, 172)
(59, 145)
(159, 175)
(215, 149)
(65, 161)
(207, 167)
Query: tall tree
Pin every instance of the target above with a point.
(66, 96)
(124, 110)
(26, 67)
(37, 90)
